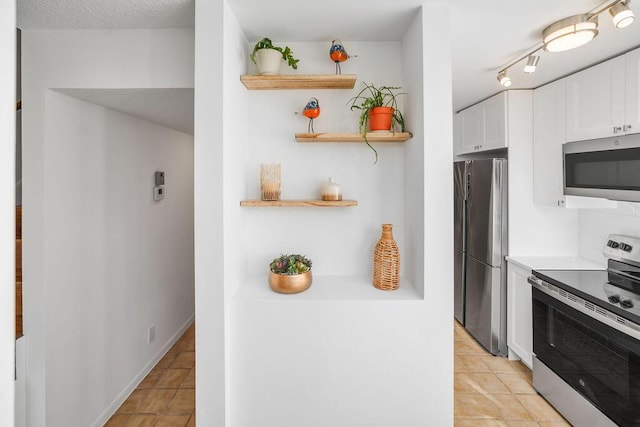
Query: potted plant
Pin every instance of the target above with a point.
(290, 274)
(378, 110)
(267, 57)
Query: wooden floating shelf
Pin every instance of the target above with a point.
(299, 203)
(300, 81)
(353, 137)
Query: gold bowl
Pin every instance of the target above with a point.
(289, 283)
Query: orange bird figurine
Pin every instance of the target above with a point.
(338, 54)
(311, 110)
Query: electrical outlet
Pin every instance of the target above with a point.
(152, 334)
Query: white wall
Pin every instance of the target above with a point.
(596, 224)
(75, 59)
(117, 261)
(438, 222)
(337, 360)
(210, 273)
(7, 207)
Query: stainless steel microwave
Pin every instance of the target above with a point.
(608, 168)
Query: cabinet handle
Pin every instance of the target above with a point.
(617, 129)
(626, 127)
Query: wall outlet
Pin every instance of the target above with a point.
(151, 335)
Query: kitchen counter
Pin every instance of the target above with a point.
(555, 263)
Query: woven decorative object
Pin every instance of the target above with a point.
(270, 182)
(386, 261)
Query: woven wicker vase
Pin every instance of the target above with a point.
(386, 261)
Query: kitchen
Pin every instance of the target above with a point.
(571, 151)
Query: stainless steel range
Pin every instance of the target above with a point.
(586, 338)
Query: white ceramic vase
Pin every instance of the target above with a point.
(268, 62)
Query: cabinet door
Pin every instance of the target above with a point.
(519, 320)
(595, 101)
(494, 111)
(549, 133)
(470, 129)
(632, 112)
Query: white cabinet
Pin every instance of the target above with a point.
(603, 100)
(519, 317)
(632, 106)
(482, 127)
(549, 133)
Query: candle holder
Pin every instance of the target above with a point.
(270, 182)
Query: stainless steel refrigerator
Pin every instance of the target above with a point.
(480, 247)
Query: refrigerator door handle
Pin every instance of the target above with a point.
(497, 215)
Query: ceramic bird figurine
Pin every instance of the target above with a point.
(311, 110)
(338, 54)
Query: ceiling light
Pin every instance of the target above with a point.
(504, 79)
(532, 63)
(569, 33)
(622, 15)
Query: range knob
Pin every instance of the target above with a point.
(625, 247)
(613, 244)
(614, 299)
(627, 303)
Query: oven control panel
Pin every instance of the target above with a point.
(622, 247)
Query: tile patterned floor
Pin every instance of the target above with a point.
(492, 391)
(166, 397)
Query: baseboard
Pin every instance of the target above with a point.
(122, 396)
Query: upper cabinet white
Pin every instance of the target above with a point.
(482, 127)
(603, 100)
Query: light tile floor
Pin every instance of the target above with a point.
(166, 397)
(492, 391)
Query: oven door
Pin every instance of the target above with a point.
(607, 167)
(601, 363)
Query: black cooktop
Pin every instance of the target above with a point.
(616, 289)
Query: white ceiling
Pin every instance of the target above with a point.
(172, 108)
(486, 34)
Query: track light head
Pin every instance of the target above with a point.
(504, 79)
(532, 63)
(621, 14)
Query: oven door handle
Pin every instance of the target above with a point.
(533, 280)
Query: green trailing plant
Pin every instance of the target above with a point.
(287, 54)
(370, 97)
(290, 264)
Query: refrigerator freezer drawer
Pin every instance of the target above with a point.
(485, 305)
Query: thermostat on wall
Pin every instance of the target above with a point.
(159, 178)
(158, 192)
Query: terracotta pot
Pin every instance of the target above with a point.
(268, 62)
(380, 119)
(290, 283)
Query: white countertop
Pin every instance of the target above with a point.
(555, 263)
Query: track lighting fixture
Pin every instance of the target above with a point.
(532, 63)
(504, 79)
(621, 14)
(571, 32)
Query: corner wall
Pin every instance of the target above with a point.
(76, 59)
(118, 262)
(7, 208)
